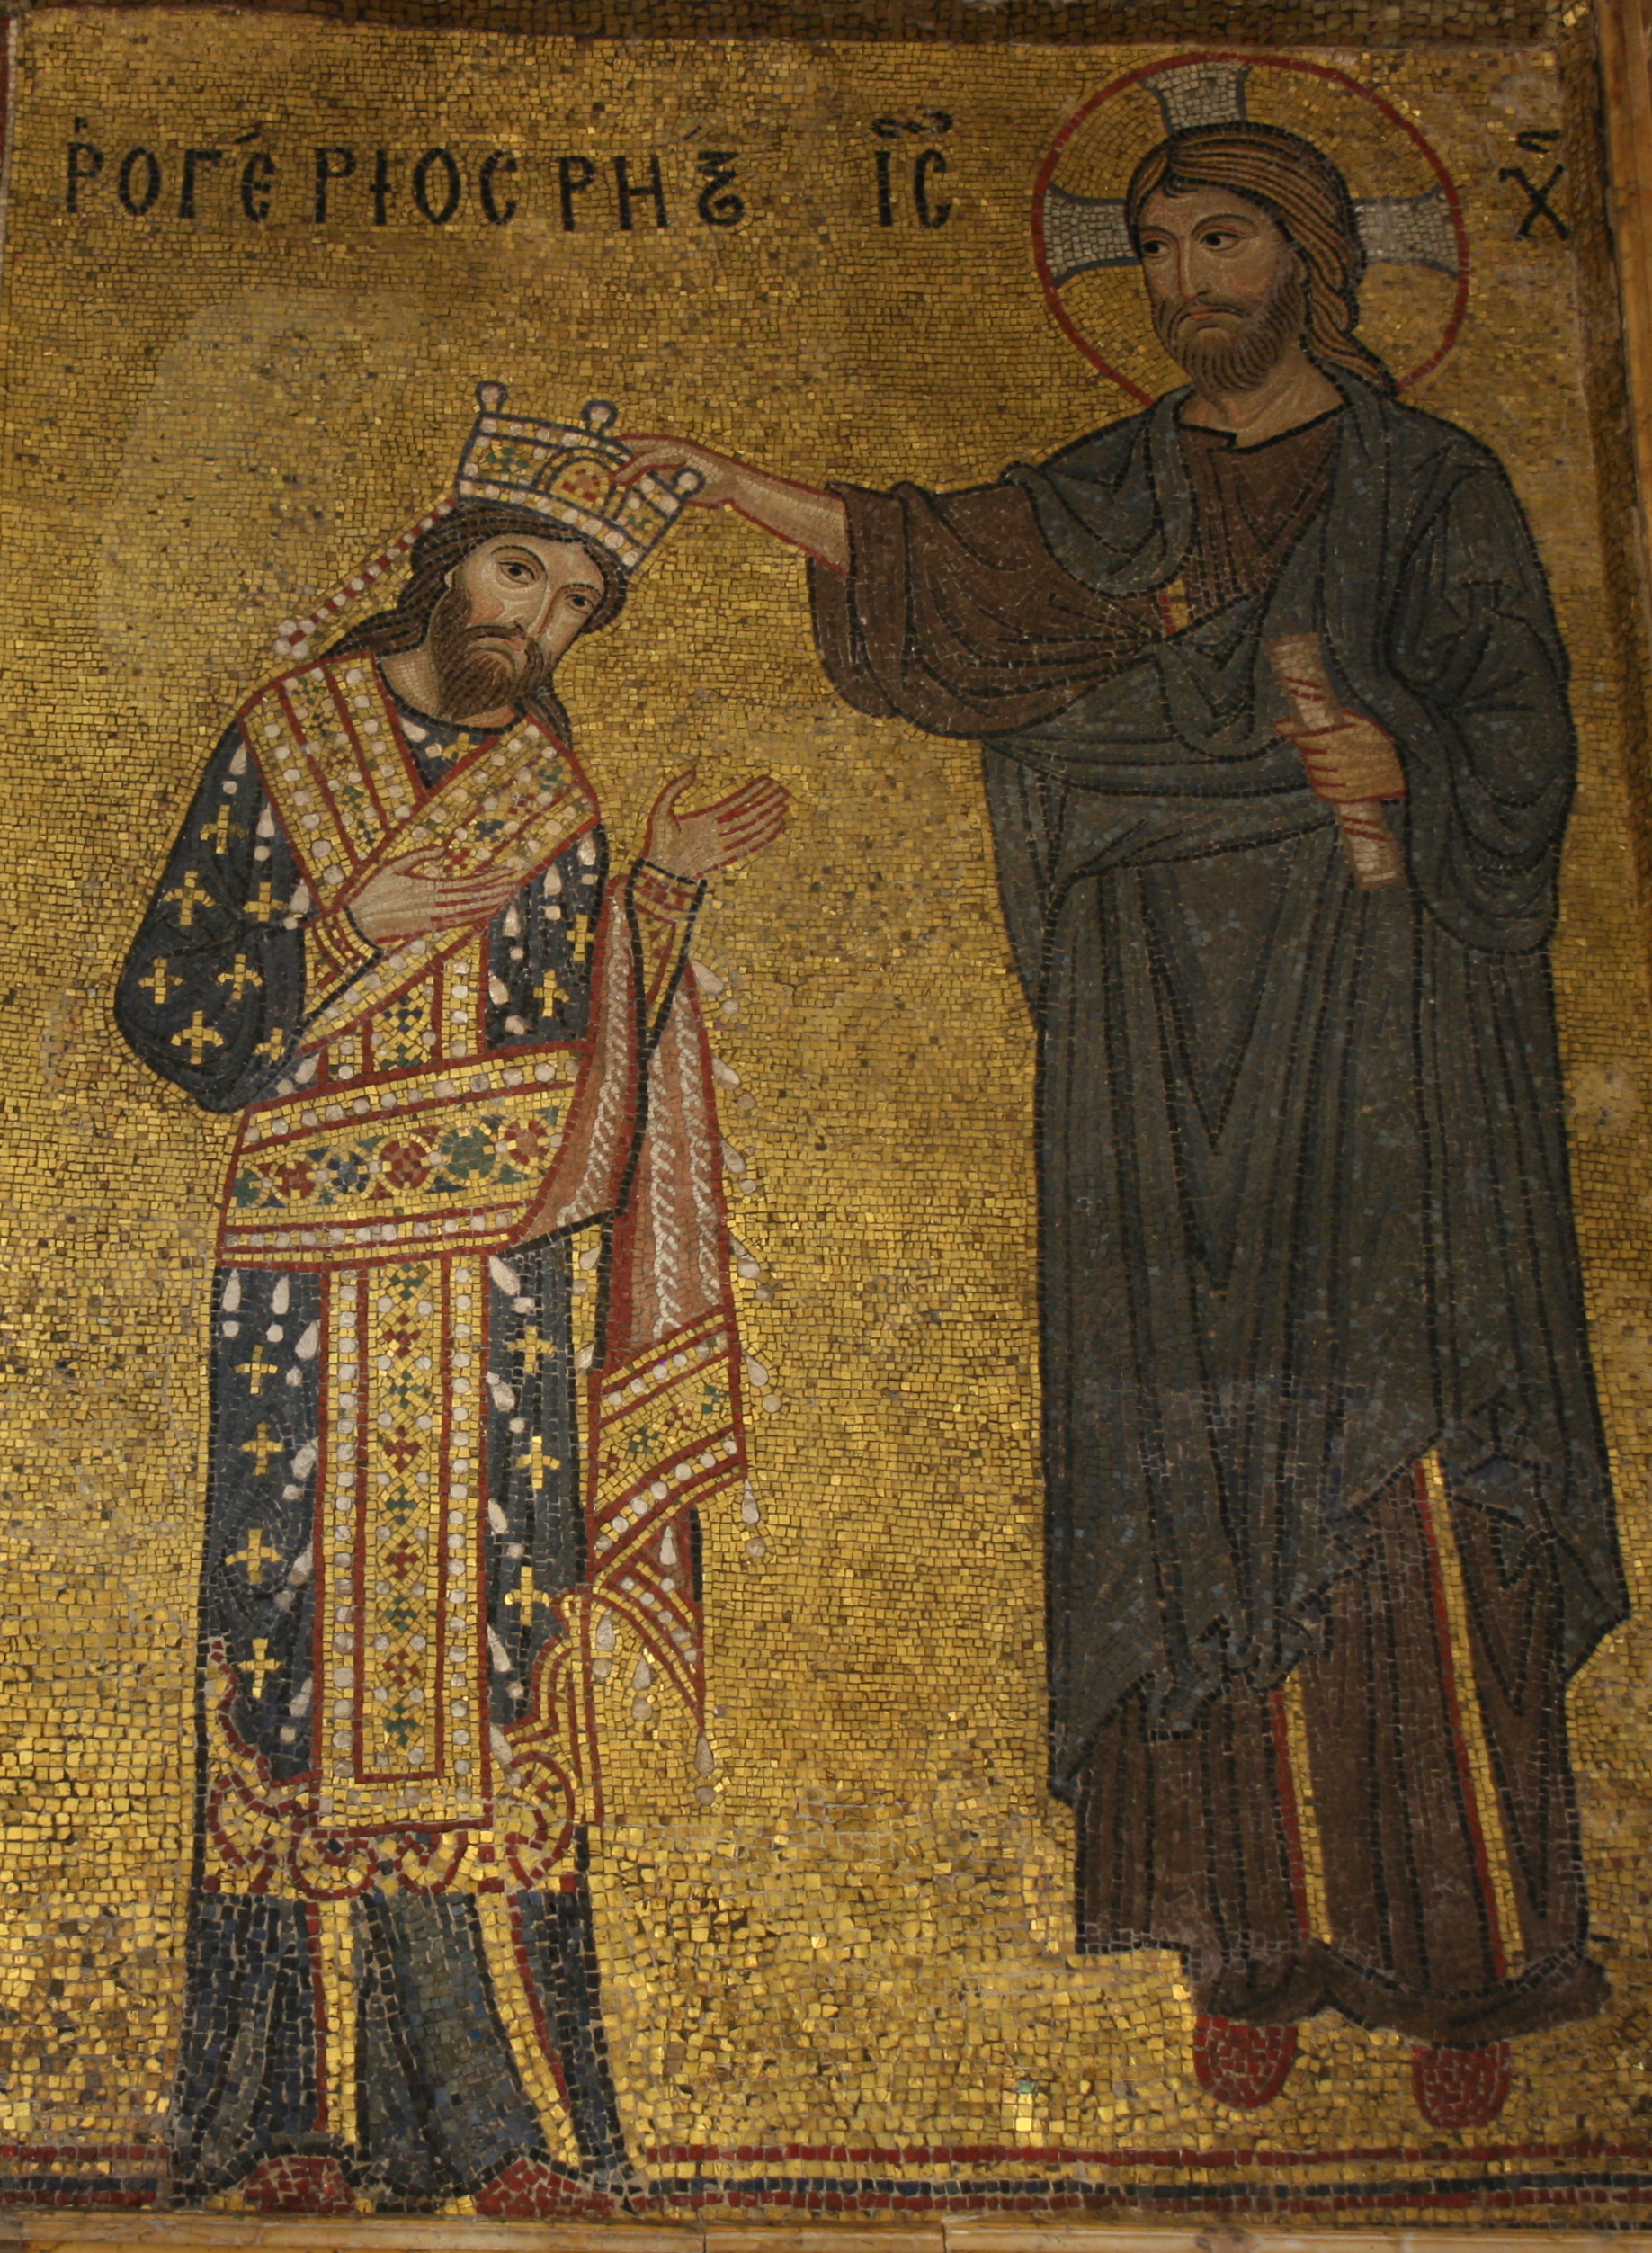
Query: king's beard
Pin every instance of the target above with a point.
(1243, 349)
(476, 670)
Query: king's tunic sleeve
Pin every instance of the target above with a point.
(661, 909)
(954, 614)
(213, 993)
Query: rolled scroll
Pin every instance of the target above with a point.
(1300, 668)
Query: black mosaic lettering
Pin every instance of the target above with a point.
(627, 192)
(85, 161)
(498, 212)
(257, 175)
(437, 186)
(1538, 206)
(716, 208)
(331, 164)
(192, 158)
(883, 170)
(575, 175)
(931, 212)
(139, 181)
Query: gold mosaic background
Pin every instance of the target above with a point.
(1076, 22)
(206, 424)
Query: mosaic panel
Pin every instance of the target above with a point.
(827, 1362)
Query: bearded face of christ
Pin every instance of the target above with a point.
(511, 607)
(1226, 286)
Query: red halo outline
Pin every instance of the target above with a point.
(1047, 283)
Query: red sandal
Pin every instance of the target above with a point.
(1461, 2088)
(534, 2190)
(1242, 2065)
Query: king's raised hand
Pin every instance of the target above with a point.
(694, 846)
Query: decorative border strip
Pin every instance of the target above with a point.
(1057, 2204)
(1189, 2156)
(354, 1103)
(443, 2233)
(8, 117)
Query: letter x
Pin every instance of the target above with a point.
(1539, 206)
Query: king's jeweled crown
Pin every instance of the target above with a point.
(563, 471)
(566, 472)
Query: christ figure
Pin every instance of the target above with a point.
(1329, 1518)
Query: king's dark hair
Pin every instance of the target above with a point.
(1305, 195)
(437, 552)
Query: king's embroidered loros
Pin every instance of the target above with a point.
(437, 1523)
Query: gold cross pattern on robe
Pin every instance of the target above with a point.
(534, 1349)
(579, 945)
(264, 1448)
(256, 1370)
(275, 1047)
(262, 906)
(536, 1463)
(549, 993)
(198, 1036)
(259, 1665)
(525, 1596)
(158, 982)
(254, 1556)
(240, 977)
(220, 832)
(191, 894)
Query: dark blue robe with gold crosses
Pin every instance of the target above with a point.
(392, 1990)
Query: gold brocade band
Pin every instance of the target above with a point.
(329, 746)
(409, 1167)
(1310, 1843)
(333, 1923)
(1477, 1775)
(1479, 1781)
(518, 2005)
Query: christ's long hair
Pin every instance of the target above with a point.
(436, 553)
(1307, 198)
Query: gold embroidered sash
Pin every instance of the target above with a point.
(329, 746)
(421, 1161)
(399, 1162)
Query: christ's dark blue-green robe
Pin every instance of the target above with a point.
(1306, 1217)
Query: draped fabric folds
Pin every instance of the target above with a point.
(1305, 1206)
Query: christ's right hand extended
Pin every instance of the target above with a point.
(406, 897)
(723, 480)
(800, 515)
